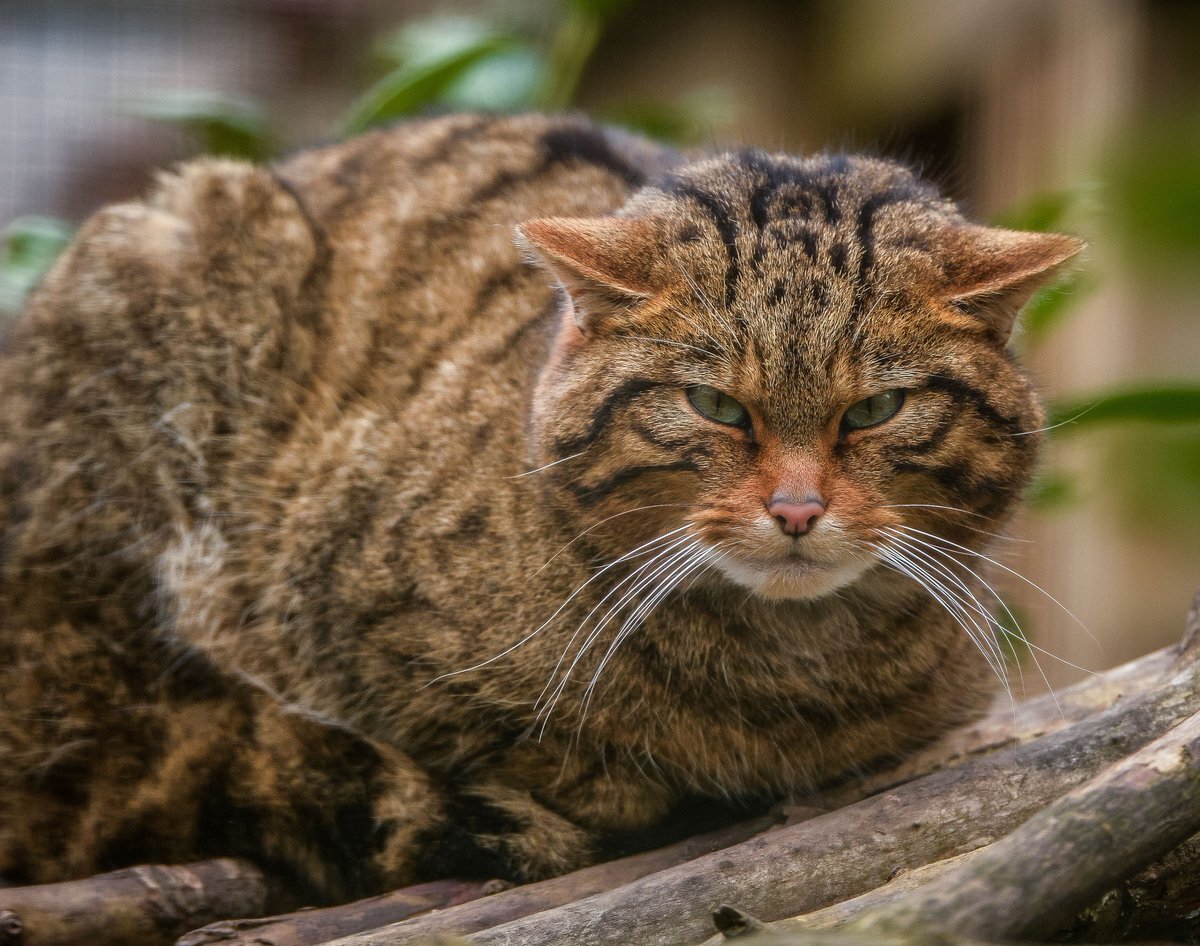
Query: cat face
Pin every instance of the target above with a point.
(775, 370)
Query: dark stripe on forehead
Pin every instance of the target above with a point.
(624, 393)
(725, 225)
(864, 228)
(590, 495)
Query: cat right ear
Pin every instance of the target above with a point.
(606, 264)
(991, 272)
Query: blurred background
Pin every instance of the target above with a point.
(1033, 113)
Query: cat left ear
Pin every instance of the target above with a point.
(606, 264)
(991, 273)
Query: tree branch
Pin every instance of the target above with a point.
(138, 906)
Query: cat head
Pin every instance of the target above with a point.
(768, 368)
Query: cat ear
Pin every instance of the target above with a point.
(606, 264)
(991, 273)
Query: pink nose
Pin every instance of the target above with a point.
(795, 518)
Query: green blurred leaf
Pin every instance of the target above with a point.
(432, 40)
(409, 88)
(1161, 404)
(1051, 492)
(1155, 195)
(601, 8)
(1041, 213)
(224, 124)
(684, 122)
(1050, 305)
(1156, 473)
(30, 245)
(502, 82)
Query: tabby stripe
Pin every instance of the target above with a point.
(864, 232)
(864, 229)
(654, 437)
(960, 478)
(725, 225)
(962, 391)
(624, 393)
(758, 204)
(590, 495)
(591, 146)
(457, 135)
(934, 440)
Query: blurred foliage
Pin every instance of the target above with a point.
(477, 63)
(1156, 403)
(1155, 186)
(29, 245)
(221, 124)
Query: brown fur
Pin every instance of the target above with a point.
(304, 472)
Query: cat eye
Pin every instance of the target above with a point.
(873, 410)
(717, 405)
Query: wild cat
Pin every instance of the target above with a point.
(455, 498)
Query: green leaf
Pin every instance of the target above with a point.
(1050, 305)
(409, 88)
(1162, 404)
(687, 121)
(30, 246)
(1041, 213)
(502, 82)
(224, 124)
(1155, 195)
(432, 40)
(1051, 492)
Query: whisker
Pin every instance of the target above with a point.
(517, 476)
(697, 556)
(1001, 565)
(964, 512)
(670, 553)
(1061, 423)
(968, 598)
(1021, 635)
(591, 528)
(642, 549)
(984, 641)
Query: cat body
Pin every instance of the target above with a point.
(350, 528)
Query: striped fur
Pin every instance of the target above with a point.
(338, 535)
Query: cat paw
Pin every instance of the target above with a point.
(496, 831)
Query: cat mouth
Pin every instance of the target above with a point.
(792, 576)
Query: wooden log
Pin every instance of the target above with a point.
(1067, 855)
(137, 906)
(1007, 725)
(843, 853)
(508, 905)
(305, 927)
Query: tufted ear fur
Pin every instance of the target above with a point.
(606, 264)
(991, 273)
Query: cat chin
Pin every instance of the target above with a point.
(791, 581)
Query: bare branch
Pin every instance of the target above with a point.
(138, 906)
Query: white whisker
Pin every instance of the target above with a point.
(983, 640)
(642, 549)
(1001, 565)
(655, 565)
(517, 476)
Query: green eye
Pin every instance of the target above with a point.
(872, 410)
(717, 405)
